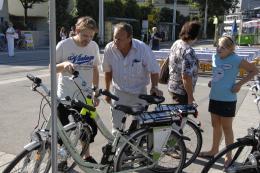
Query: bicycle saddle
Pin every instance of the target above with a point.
(151, 99)
(132, 110)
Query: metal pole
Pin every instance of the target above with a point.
(101, 21)
(205, 20)
(174, 20)
(52, 41)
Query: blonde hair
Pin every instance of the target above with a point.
(86, 22)
(227, 42)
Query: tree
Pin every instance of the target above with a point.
(216, 7)
(27, 4)
(63, 18)
(114, 8)
(88, 8)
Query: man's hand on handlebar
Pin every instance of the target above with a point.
(69, 67)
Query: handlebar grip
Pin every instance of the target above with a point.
(80, 104)
(35, 80)
(75, 74)
(109, 94)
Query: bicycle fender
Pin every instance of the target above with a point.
(198, 124)
(32, 145)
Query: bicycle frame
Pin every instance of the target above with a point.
(94, 168)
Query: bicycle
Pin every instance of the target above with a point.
(137, 147)
(21, 43)
(245, 151)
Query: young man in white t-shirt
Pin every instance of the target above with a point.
(78, 53)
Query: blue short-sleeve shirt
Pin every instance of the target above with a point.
(224, 77)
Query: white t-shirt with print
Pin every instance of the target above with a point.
(84, 58)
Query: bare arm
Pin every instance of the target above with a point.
(95, 76)
(68, 66)
(108, 80)
(187, 82)
(154, 87)
(251, 70)
(154, 79)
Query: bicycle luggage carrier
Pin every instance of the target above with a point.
(158, 118)
(184, 110)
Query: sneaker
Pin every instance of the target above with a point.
(90, 159)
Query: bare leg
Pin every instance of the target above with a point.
(217, 135)
(228, 133)
(217, 132)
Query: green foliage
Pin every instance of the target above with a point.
(166, 15)
(132, 9)
(63, 18)
(87, 8)
(215, 7)
(113, 8)
(145, 11)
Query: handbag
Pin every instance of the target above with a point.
(164, 73)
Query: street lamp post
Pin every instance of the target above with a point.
(52, 38)
(205, 20)
(174, 19)
(101, 22)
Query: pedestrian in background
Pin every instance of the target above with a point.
(184, 64)
(155, 39)
(79, 53)
(223, 92)
(72, 31)
(63, 34)
(130, 64)
(10, 34)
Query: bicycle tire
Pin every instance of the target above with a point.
(25, 159)
(193, 146)
(82, 146)
(136, 160)
(240, 158)
(80, 135)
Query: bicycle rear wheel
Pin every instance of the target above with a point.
(239, 162)
(171, 160)
(29, 161)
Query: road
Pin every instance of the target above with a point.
(19, 106)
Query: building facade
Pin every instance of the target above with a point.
(182, 6)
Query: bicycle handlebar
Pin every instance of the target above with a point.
(76, 74)
(38, 83)
(108, 94)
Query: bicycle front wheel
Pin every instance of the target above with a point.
(239, 162)
(29, 161)
(172, 158)
(194, 144)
